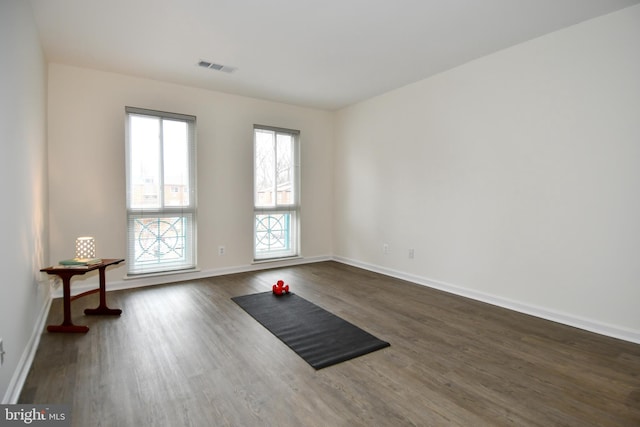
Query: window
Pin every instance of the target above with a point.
(161, 191)
(276, 196)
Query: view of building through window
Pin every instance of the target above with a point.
(149, 175)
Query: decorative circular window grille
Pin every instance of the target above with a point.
(271, 232)
(160, 238)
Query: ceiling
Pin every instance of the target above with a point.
(321, 54)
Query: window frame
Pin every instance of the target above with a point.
(291, 209)
(186, 232)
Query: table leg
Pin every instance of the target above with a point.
(67, 325)
(102, 309)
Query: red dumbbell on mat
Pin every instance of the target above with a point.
(280, 288)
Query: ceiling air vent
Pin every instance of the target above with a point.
(217, 67)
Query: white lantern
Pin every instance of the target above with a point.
(85, 248)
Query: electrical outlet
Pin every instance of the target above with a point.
(411, 253)
(385, 248)
(221, 250)
(1, 352)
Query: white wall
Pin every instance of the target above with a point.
(24, 290)
(516, 178)
(87, 165)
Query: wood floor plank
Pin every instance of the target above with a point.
(186, 355)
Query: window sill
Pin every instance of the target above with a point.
(268, 260)
(160, 273)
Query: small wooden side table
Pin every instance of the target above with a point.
(65, 273)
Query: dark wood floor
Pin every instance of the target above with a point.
(186, 355)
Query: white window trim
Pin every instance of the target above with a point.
(190, 258)
(293, 209)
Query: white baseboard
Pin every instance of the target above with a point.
(161, 279)
(541, 312)
(24, 365)
(554, 316)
